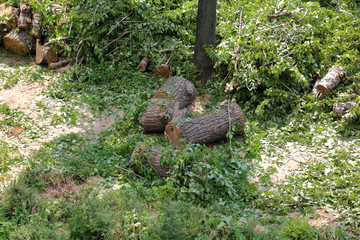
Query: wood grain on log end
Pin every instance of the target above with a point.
(163, 70)
(173, 134)
(18, 42)
(148, 157)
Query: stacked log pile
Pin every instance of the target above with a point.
(22, 34)
(175, 94)
(168, 113)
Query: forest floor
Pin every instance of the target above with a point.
(43, 118)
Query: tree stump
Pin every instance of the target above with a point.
(25, 17)
(331, 79)
(19, 42)
(178, 89)
(206, 128)
(143, 64)
(45, 54)
(36, 25)
(157, 114)
(10, 16)
(340, 109)
(145, 158)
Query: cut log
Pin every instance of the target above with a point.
(179, 89)
(10, 17)
(158, 114)
(59, 64)
(331, 79)
(206, 128)
(36, 25)
(143, 64)
(145, 158)
(163, 70)
(340, 109)
(315, 92)
(45, 54)
(19, 42)
(25, 17)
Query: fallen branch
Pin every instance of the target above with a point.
(59, 64)
(271, 16)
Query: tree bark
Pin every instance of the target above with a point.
(178, 89)
(19, 42)
(36, 25)
(157, 114)
(340, 109)
(206, 128)
(11, 16)
(143, 64)
(59, 64)
(205, 36)
(145, 158)
(331, 79)
(25, 17)
(45, 54)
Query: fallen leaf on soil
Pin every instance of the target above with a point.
(15, 131)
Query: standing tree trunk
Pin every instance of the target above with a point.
(205, 35)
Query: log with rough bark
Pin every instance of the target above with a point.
(206, 128)
(45, 54)
(178, 89)
(157, 114)
(24, 22)
(10, 17)
(59, 64)
(340, 109)
(331, 79)
(36, 25)
(19, 42)
(145, 158)
(143, 64)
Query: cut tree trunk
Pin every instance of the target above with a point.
(315, 92)
(157, 114)
(340, 109)
(163, 70)
(19, 42)
(10, 16)
(45, 54)
(36, 25)
(206, 128)
(331, 79)
(145, 158)
(59, 64)
(25, 17)
(178, 89)
(143, 64)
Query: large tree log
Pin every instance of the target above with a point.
(340, 109)
(10, 16)
(157, 114)
(19, 42)
(45, 54)
(25, 17)
(36, 25)
(145, 158)
(178, 89)
(143, 64)
(331, 79)
(206, 128)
